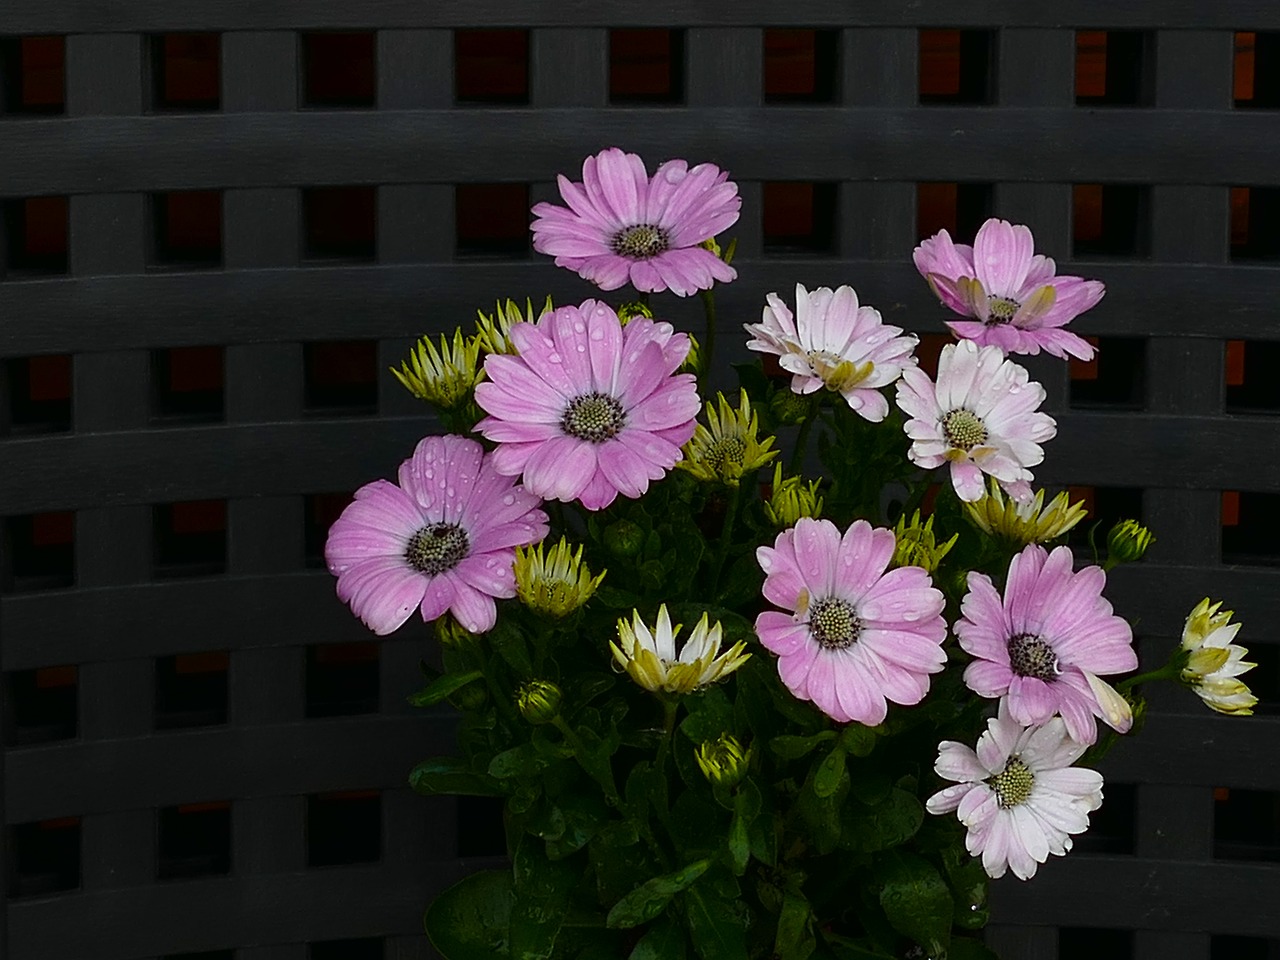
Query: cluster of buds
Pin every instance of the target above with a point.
(728, 446)
(916, 545)
(790, 499)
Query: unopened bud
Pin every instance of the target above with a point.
(632, 309)
(623, 538)
(538, 701)
(723, 761)
(1127, 542)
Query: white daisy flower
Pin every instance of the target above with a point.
(1017, 793)
(650, 659)
(980, 417)
(1214, 663)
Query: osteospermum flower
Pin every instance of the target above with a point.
(555, 582)
(444, 377)
(650, 659)
(1017, 793)
(980, 417)
(833, 342)
(1047, 642)
(623, 226)
(443, 539)
(1016, 302)
(727, 447)
(1027, 522)
(1214, 663)
(855, 635)
(588, 409)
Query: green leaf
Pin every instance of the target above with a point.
(469, 921)
(441, 687)
(858, 740)
(830, 772)
(542, 890)
(795, 940)
(718, 930)
(893, 821)
(451, 775)
(916, 900)
(793, 748)
(650, 898)
(510, 644)
(664, 941)
(525, 760)
(583, 814)
(710, 714)
(618, 599)
(739, 836)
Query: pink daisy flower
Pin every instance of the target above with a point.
(857, 636)
(443, 539)
(1046, 643)
(1017, 793)
(589, 408)
(622, 225)
(833, 342)
(1016, 301)
(980, 417)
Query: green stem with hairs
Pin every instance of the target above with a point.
(709, 332)
(726, 538)
(802, 438)
(1170, 671)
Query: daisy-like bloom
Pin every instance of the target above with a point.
(589, 409)
(727, 447)
(791, 498)
(1046, 643)
(1016, 302)
(555, 583)
(493, 330)
(856, 635)
(831, 341)
(623, 226)
(1027, 522)
(917, 546)
(444, 377)
(443, 539)
(650, 659)
(1214, 663)
(980, 416)
(1017, 793)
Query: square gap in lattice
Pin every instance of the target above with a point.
(342, 679)
(187, 384)
(1250, 528)
(479, 830)
(43, 857)
(341, 377)
(1114, 68)
(1114, 379)
(1256, 80)
(1110, 219)
(1230, 947)
(38, 552)
(340, 223)
(187, 229)
(1246, 824)
(799, 218)
(492, 220)
(1252, 384)
(35, 237)
(191, 690)
(190, 539)
(339, 70)
(1104, 506)
(40, 706)
(646, 66)
(366, 948)
(194, 840)
(39, 394)
(1255, 223)
(1264, 679)
(958, 208)
(344, 827)
(33, 75)
(1076, 942)
(491, 67)
(801, 65)
(957, 66)
(186, 71)
(1113, 826)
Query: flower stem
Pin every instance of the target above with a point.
(669, 709)
(1170, 671)
(726, 538)
(802, 439)
(709, 331)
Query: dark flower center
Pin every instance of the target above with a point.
(1029, 656)
(1001, 310)
(834, 623)
(594, 417)
(726, 450)
(963, 429)
(437, 548)
(641, 242)
(1013, 784)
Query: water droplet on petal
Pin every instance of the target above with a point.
(578, 326)
(554, 357)
(582, 348)
(509, 499)
(597, 334)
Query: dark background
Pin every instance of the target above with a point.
(222, 222)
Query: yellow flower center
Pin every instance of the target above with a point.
(437, 548)
(963, 429)
(834, 623)
(594, 417)
(1001, 310)
(1030, 656)
(726, 450)
(641, 242)
(1013, 784)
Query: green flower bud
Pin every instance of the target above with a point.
(473, 696)
(632, 309)
(1127, 542)
(539, 701)
(790, 407)
(623, 539)
(723, 761)
(451, 633)
(917, 546)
